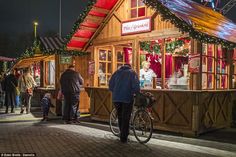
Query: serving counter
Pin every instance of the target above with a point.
(190, 112)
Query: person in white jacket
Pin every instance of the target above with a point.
(26, 85)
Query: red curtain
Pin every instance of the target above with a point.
(128, 55)
(156, 62)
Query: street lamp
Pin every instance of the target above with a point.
(35, 29)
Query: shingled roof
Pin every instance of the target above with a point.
(51, 43)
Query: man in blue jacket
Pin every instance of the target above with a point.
(123, 84)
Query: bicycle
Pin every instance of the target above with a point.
(141, 121)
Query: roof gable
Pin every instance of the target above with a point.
(202, 23)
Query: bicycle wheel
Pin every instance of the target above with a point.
(114, 126)
(142, 126)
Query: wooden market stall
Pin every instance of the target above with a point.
(47, 64)
(189, 49)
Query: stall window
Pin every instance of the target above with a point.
(50, 73)
(120, 57)
(208, 66)
(105, 66)
(233, 69)
(138, 9)
(36, 73)
(221, 69)
(110, 59)
(175, 63)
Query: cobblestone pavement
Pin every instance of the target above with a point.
(49, 139)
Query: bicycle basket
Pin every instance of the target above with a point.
(145, 99)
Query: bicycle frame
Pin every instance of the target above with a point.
(140, 115)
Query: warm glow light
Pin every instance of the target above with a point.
(36, 23)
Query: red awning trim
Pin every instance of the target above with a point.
(83, 33)
(74, 43)
(95, 13)
(100, 10)
(87, 28)
(95, 19)
(106, 4)
(74, 48)
(80, 39)
(90, 24)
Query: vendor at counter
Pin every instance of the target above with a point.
(146, 74)
(178, 80)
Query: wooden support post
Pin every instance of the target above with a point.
(215, 68)
(57, 72)
(136, 55)
(98, 81)
(42, 74)
(163, 70)
(154, 82)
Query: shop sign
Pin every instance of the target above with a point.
(65, 59)
(194, 63)
(91, 67)
(137, 26)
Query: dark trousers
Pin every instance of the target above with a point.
(71, 106)
(25, 101)
(124, 112)
(46, 109)
(10, 100)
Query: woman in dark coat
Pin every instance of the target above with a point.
(10, 90)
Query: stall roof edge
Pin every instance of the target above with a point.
(201, 19)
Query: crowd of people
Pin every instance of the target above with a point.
(17, 88)
(18, 91)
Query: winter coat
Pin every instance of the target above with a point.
(10, 83)
(71, 82)
(26, 81)
(123, 84)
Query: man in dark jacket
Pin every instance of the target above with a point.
(10, 89)
(123, 84)
(71, 81)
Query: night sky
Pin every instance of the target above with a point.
(17, 16)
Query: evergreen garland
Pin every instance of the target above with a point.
(30, 52)
(170, 47)
(185, 27)
(79, 20)
(147, 46)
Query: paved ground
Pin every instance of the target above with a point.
(26, 134)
